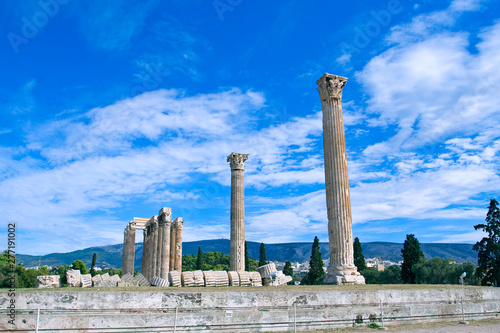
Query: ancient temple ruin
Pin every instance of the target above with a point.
(162, 246)
(342, 269)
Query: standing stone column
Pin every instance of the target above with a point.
(145, 252)
(341, 269)
(178, 244)
(128, 249)
(237, 254)
(165, 220)
(173, 238)
(154, 246)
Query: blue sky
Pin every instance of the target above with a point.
(114, 109)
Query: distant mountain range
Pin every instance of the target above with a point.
(110, 256)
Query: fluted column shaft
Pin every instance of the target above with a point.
(145, 253)
(337, 182)
(154, 247)
(159, 248)
(173, 238)
(165, 221)
(128, 250)
(237, 251)
(178, 244)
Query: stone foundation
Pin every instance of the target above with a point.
(234, 310)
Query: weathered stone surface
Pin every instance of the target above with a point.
(174, 278)
(337, 183)
(245, 279)
(95, 279)
(209, 278)
(128, 249)
(188, 279)
(106, 283)
(165, 222)
(74, 278)
(234, 279)
(267, 269)
(204, 311)
(128, 277)
(159, 282)
(105, 277)
(86, 280)
(221, 279)
(178, 225)
(141, 280)
(115, 278)
(199, 280)
(255, 279)
(48, 281)
(237, 251)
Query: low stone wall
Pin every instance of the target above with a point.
(241, 310)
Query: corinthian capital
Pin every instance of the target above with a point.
(330, 86)
(237, 161)
(178, 223)
(165, 215)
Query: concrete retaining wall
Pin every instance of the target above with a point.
(265, 309)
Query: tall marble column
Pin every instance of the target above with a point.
(128, 249)
(145, 252)
(173, 238)
(237, 251)
(178, 224)
(341, 269)
(165, 221)
(154, 246)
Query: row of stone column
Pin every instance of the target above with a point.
(162, 246)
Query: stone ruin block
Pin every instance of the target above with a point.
(187, 279)
(48, 281)
(128, 278)
(95, 279)
(276, 279)
(234, 279)
(86, 280)
(221, 279)
(159, 282)
(115, 278)
(74, 278)
(174, 278)
(141, 280)
(255, 279)
(105, 277)
(209, 278)
(199, 279)
(245, 279)
(267, 269)
(105, 284)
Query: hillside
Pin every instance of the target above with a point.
(111, 255)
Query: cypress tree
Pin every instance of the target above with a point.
(247, 259)
(359, 258)
(288, 270)
(200, 265)
(411, 254)
(92, 267)
(316, 272)
(262, 257)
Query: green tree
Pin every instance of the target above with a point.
(79, 265)
(359, 258)
(411, 254)
(92, 267)
(247, 258)
(288, 270)
(316, 272)
(489, 247)
(199, 260)
(262, 256)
